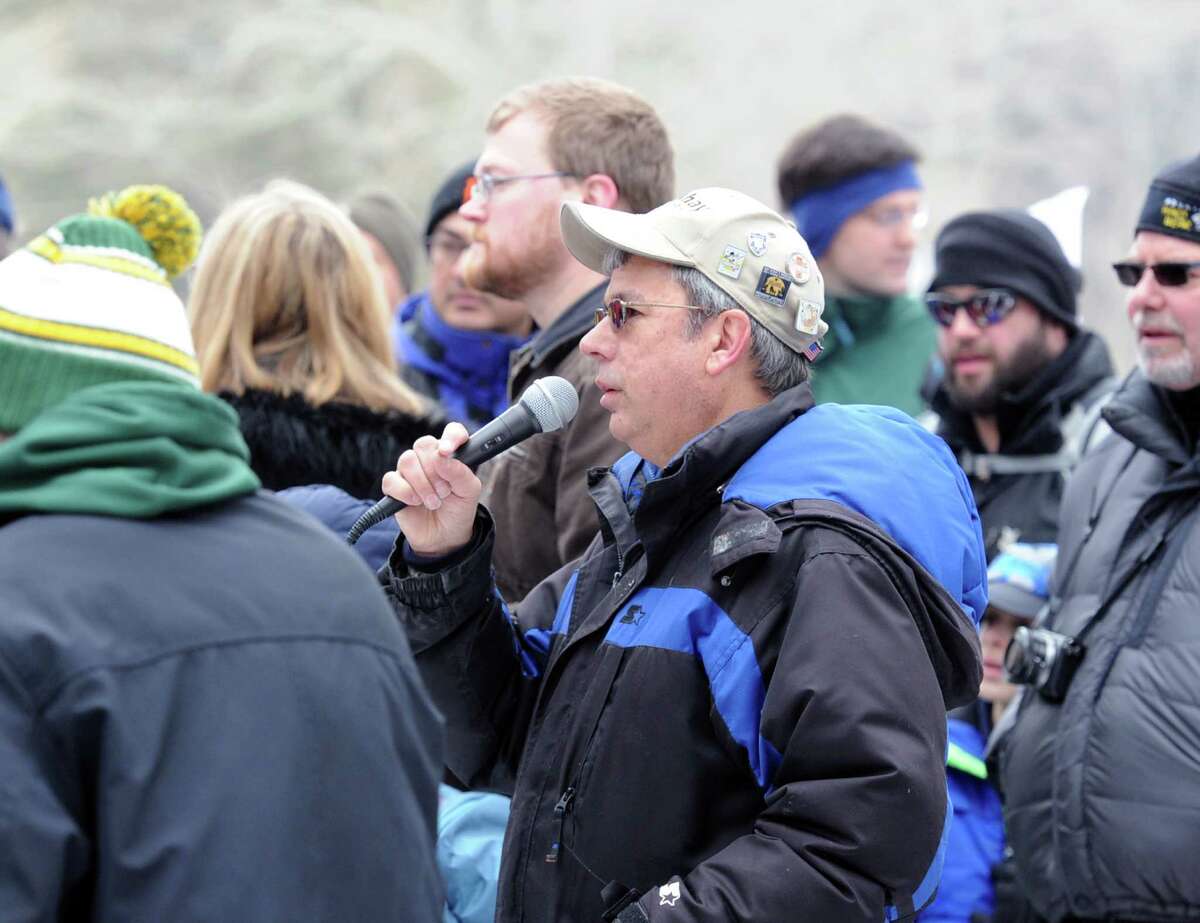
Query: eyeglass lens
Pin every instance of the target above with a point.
(616, 311)
(984, 308)
(1168, 274)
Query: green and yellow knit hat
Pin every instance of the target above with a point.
(90, 301)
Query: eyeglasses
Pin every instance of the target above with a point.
(445, 247)
(479, 187)
(986, 307)
(1168, 274)
(619, 311)
(895, 216)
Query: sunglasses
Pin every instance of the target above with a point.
(1168, 274)
(986, 307)
(619, 311)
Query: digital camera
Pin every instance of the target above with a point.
(1044, 660)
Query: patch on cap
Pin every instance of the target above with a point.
(799, 268)
(772, 286)
(808, 317)
(1171, 210)
(1176, 214)
(731, 262)
(757, 243)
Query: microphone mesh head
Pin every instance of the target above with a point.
(552, 401)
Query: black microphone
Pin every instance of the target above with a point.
(547, 404)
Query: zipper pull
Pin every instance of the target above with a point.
(617, 575)
(560, 811)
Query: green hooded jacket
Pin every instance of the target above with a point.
(876, 352)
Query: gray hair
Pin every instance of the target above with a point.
(777, 366)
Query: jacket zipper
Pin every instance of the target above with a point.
(560, 812)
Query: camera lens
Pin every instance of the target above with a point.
(1019, 665)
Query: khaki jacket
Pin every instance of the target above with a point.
(537, 490)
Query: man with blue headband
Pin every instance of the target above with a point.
(852, 189)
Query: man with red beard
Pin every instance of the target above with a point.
(1022, 382)
(564, 140)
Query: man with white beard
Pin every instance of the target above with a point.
(1099, 770)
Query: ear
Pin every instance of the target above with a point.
(600, 189)
(1055, 333)
(728, 335)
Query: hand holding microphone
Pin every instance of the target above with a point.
(438, 493)
(434, 492)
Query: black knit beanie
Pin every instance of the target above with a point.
(448, 197)
(1008, 248)
(1173, 203)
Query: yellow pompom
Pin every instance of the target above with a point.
(163, 218)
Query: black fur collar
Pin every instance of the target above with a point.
(293, 443)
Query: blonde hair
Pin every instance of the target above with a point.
(596, 126)
(287, 299)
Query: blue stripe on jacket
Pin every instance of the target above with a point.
(686, 620)
(533, 647)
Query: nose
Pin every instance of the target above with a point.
(456, 271)
(962, 327)
(473, 209)
(598, 343)
(906, 234)
(1147, 295)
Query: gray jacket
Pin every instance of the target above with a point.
(1103, 801)
(208, 716)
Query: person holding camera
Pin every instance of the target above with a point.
(1099, 769)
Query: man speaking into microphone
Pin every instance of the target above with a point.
(732, 706)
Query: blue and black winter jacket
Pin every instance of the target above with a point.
(734, 703)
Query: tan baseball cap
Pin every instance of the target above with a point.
(748, 250)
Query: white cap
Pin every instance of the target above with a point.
(748, 250)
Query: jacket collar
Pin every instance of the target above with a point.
(567, 328)
(430, 344)
(691, 482)
(1143, 413)
(853, 317)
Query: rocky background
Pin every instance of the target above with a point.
(1010, 100)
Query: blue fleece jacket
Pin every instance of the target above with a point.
(466, 371)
